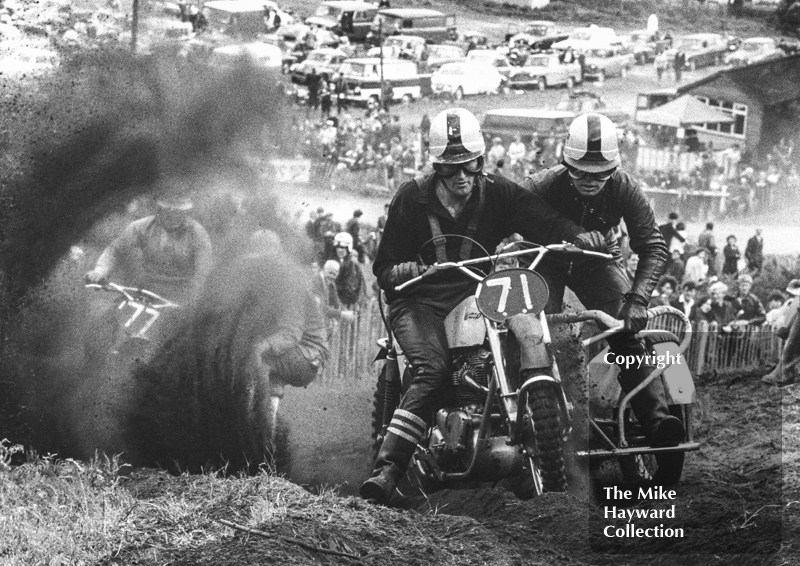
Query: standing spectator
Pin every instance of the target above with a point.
(496, 153)
(730, 162)
(731, 254)
(340, 90)
(516, 151)
(696, 268)
(325, 99)
(678, 241)
(382, 221)
(425, 134)
(663, 295)
(661, 63)
(582, 63)
(718, 309)
(677, 65)
(498, 167)
(749, 307)
(387, 93)
(353, 227)
(351, 285)
(706, 240)
(687, 301)
(675, 265)
(668, 229)
(325, 290)
(754, 253)
(312, 82)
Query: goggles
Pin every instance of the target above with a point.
(472, 167)
(578, 174)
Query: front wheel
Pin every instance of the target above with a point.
(546, 466)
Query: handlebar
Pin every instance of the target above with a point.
(541, 250)
(134, 294)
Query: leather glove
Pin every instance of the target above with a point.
(95, 278)
(591, 241)
(634, 313)
(406, 271)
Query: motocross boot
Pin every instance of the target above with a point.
(650, 408)
(402, 437)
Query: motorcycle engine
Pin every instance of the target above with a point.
(474, 364)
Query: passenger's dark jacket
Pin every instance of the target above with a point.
(620, 199)
(507, 209)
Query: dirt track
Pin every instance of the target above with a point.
(738, 501)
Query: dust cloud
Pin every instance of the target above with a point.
(88, 149)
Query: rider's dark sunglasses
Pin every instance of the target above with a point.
(578, 174)
(471, 167)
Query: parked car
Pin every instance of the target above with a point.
(544, 70)
(438, 54)
(262, 55)
(400, 47)
(753, 50)
(609, 61)
(536, 29)
(347, 17)
(363, 79)
(581, 101)
(645, 45)
(588, 38)
(428, 24)
(325, 62)
(470, 77)
(493, 58)
(703, 50)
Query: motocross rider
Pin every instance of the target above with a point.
(589, 188)
(168, 253)
(457, 198)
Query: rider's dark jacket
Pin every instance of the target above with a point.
(506, 208)
(620, 199)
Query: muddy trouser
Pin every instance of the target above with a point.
(601, 285)
(419, 330)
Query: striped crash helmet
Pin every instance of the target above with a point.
(456, 137)
(591, 144)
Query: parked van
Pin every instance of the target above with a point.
(237, 18)
(429, 24)
(363, 79)
(509, 122)
(345, 17)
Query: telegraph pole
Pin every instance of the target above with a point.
(380, 42)
(134, 24)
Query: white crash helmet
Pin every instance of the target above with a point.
(343, 240)
(456, 137)
(592, 144)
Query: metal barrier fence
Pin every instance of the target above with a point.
(712, 351)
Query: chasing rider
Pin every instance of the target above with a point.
(168, 253)
(457, 198)
(589, 188)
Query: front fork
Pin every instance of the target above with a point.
(512, 400)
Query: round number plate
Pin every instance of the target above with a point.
(511, 292)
